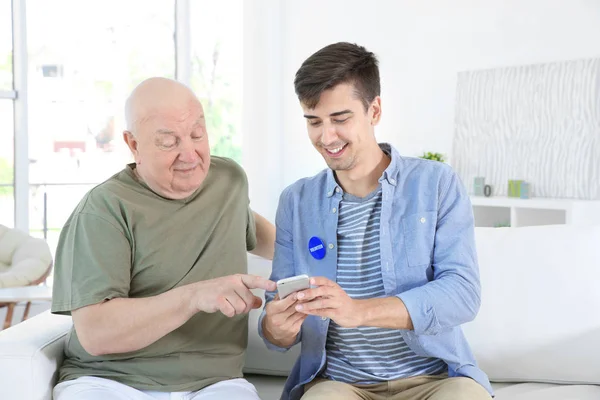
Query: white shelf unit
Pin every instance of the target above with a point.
(505, 211)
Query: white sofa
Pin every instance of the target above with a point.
(537, 334)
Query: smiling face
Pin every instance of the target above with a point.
(169, 139)
(340, 128)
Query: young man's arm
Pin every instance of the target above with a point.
(329, 300)
(279, 325)
(265, 237)
(453, 297)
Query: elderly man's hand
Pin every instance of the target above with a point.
(230, 294)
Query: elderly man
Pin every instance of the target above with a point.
(152, 263)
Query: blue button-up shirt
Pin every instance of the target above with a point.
(428, 260)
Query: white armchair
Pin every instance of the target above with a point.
(24, 260)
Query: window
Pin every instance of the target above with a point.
(6, 67)
(83, 59)
(81, 70)
(216, 71)
(7, 200)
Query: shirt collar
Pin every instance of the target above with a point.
(390, 174)
(332, 185)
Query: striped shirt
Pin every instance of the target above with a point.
(367, 354)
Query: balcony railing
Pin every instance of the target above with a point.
(51, 204)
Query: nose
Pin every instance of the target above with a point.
(187, 152)
(328, 135)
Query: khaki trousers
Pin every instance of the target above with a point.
(438, 387)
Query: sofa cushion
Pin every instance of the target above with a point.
(539, 317)
(545, 391)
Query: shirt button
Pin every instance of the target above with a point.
(337, 190)
(333, 210)
(393, 181)
(329, 193)
(331, 246)
(324, 318)
(422, 220)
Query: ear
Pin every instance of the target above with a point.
(376, 110)
(132, 143)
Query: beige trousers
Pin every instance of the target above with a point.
(438, 387)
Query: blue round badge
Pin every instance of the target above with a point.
(316, 248)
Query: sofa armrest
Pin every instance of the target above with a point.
(30, 354)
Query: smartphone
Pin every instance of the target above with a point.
(287, 286)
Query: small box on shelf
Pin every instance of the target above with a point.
(478, 186)
(525, 190)
(514, 188)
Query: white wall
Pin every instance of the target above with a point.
(421, 46)
(262, 115)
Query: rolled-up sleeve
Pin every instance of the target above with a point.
(453, 296)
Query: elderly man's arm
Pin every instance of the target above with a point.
(92, 283)
(122, 325)
(265, 237)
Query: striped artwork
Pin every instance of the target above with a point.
(538, 123)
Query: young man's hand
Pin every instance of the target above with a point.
(329, 300)
(282, 323)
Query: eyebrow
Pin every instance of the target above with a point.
(164, 131)
(199, 120)
(335, 114)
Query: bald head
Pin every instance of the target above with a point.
(156, 96)
(166, 133)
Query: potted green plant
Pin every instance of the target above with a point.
(434, 156)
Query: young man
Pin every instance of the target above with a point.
(389, 244)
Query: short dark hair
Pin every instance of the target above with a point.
(334, 64)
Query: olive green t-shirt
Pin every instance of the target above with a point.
(125, 241)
